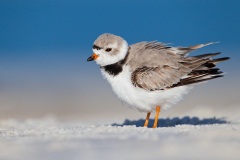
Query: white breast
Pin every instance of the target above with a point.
(140, 99)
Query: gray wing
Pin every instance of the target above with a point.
(154, 45)
(155, 66)
(156, 78)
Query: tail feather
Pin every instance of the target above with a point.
(208, 55)
(184, 51)
(203, 69)
(215, 61)
(202, 45)
(211, 63)
(194, 59)
(201, 79)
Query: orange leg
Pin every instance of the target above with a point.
(158, 108)
(147, 119)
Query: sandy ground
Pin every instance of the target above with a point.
(175, 138)
(206, 125)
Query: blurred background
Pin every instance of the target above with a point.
(44, 45)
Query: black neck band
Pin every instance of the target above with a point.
(116, 68)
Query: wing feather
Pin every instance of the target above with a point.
(155, 66)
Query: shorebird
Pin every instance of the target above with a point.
(150, 76)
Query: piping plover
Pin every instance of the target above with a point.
(149, 76)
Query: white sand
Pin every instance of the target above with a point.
(184, 138)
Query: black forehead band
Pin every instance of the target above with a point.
(96, 47)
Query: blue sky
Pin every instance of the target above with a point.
(32, 25)
(44, 44)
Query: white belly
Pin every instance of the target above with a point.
(140, 99)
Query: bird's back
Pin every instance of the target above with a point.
(155, 66)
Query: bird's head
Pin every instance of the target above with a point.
(108, 49)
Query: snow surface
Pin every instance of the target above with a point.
(176, 138)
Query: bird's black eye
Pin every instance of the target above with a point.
(108, 49)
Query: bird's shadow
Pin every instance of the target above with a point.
(171, 122)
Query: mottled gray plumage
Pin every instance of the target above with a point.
(155, 66)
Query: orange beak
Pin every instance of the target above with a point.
(93, 57)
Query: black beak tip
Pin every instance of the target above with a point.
(90, 58)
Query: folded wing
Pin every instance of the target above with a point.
(156, 66)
